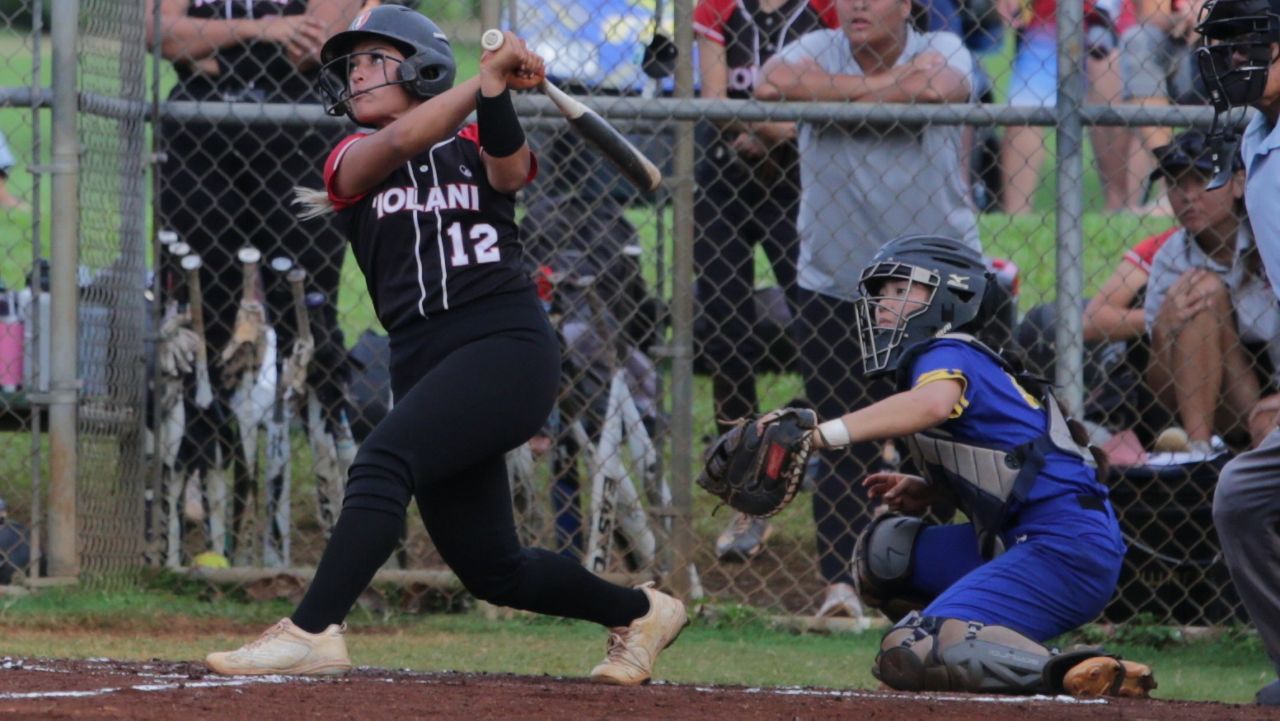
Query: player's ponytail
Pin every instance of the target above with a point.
(312, 202)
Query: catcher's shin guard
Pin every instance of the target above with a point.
(929, 653)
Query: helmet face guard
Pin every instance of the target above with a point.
(428, 67)
(959, 295)
(1234, 57)
(883, 343)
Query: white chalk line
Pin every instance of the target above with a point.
(233, 681)
(881, 696)
(230, 681)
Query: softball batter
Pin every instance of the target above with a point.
(430, 213)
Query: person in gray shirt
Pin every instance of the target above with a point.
(860, 187)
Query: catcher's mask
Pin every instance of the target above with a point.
(427, 70)
(1235, 54)
(957, 292)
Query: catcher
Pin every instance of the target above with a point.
(1041, 553)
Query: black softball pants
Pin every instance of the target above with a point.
(469, 385)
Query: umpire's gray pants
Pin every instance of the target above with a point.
(1246, 512)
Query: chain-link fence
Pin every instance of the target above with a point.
(220, 410)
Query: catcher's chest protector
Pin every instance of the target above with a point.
(986, 478)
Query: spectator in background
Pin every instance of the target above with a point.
(861, 187)
(980, 23)
(15, 546)
(1213, 319)
(1116, 313)
(1034, 82)
(1117, 349)
(748, 195)
(224, 186)
(1158, 68)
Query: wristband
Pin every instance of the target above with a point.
(835, 434)
(500, 131)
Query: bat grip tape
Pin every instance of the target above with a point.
(500, 131)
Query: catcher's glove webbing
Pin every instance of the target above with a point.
(758, 471)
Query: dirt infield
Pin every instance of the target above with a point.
(56, 689)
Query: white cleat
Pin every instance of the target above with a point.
(841, 601)
(287, 650)
(632, 650)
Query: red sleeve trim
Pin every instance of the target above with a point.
(710, 16)
(826, 10)
(331, 168)
(1142, 254)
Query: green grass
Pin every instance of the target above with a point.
(147, 624)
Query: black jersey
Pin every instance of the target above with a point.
(251, 71)
(434, 235)
(751, 35)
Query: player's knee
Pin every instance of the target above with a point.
(1234, 510)
(372, 490)
(883, 563)
(497, 581)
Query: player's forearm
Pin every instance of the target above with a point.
(896, 416)
(185, 38)
(1109, 323)
(792, 82)
(714, 74)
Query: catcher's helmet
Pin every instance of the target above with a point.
(427, 70)
(961, 296)
(1235, 49)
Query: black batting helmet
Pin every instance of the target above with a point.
(961, 296)
(1235, 49)
(427, 70)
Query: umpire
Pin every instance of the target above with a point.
(1239, 62)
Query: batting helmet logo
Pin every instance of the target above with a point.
(359, 21)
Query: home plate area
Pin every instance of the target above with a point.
(102, 688)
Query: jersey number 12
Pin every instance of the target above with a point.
(484, 245)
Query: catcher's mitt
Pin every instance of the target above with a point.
(758, 471)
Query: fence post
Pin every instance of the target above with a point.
(1070, 206)
(682, 314)
(64, 559)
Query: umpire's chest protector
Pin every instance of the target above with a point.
(986, 478)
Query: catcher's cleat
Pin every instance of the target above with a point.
(287, 650)
(840, 601)
(743, 539)
(631, 651)
(1108, 676)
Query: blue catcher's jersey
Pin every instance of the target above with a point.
(995, 411)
